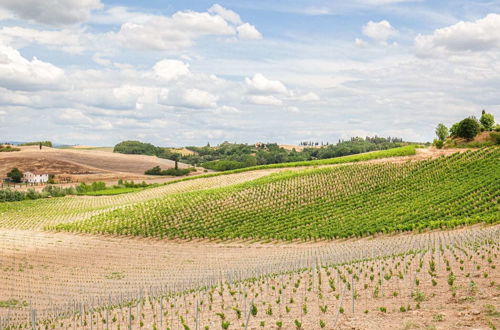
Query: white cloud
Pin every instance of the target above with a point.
(480, 35)
(261, 85)
(308, 97)
(170, 69)
(360, 42)
(18, 73)
(226, 14)
(66, 40)
(174, 32)
(263, 100)
(380, 31)
(191, 98)
(248, 31)
(52, 12)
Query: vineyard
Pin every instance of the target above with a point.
(426, 278)
(324, 203)
(299, 247)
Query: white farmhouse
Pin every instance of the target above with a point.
(35, 177)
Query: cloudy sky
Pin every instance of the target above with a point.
(175, 73)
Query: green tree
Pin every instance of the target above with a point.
(487, 120)
(441, 132)
(454, 130)
(15, 175)
(176, 157)
(468, 128)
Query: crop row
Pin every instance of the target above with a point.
(325, 203)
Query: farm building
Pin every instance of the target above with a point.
(35, 177)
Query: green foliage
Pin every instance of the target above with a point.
(171, 171)
(495, 136)
(487, 120)
(37, 143)
(136, 147)
(441, 132)
(8, 148)
(253, 310)
(328, 203)
(15, 175)
(468, 128)
(229, 156)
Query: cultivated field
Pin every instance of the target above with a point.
(82, 165)
(323, 246)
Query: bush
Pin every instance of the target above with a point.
(487, 120)
(171, 171)
(15, 175)
(495, 136)
(223, 165)
(468, 128)
(439, 144)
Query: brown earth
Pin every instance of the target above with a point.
(82, 165)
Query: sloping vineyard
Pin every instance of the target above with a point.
(325, 203)
(36, 214)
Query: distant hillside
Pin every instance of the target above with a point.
(82, 164)
(342, 201)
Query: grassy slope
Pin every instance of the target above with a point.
(342, 201)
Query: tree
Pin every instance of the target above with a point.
(454, 130)
(487, 120)
(15, 175)
(176, 157)
(441, 132)
(468, 128)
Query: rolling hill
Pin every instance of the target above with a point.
(82, 164)
(325, 203)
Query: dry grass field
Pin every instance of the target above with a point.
(82, 165)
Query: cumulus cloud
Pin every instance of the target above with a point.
(380, 31)
(248, 31)
(190, 98)
(263, 100)
(226, 14)
(168, 70)
(480, 35)
(52, 12)
(259, 84)
(182, 28)
(308, 97)
(19, 73)
(65, 40)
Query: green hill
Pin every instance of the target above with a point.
(342, 201)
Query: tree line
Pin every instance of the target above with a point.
(230, 156)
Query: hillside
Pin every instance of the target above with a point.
(81, 164)
(326, 203)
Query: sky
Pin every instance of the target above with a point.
(177, 73)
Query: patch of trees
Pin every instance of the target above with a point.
(171, 171)
(136, 148)
(229, 156)
(468, 128)
(38, 143)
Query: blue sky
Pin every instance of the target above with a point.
(176, 73)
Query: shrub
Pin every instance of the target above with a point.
(15, 175)
(487, 120)
(495, 136)
(468, 128)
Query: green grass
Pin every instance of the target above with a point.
(325, 203)
(114, 191)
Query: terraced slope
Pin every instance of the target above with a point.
(342, 201)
